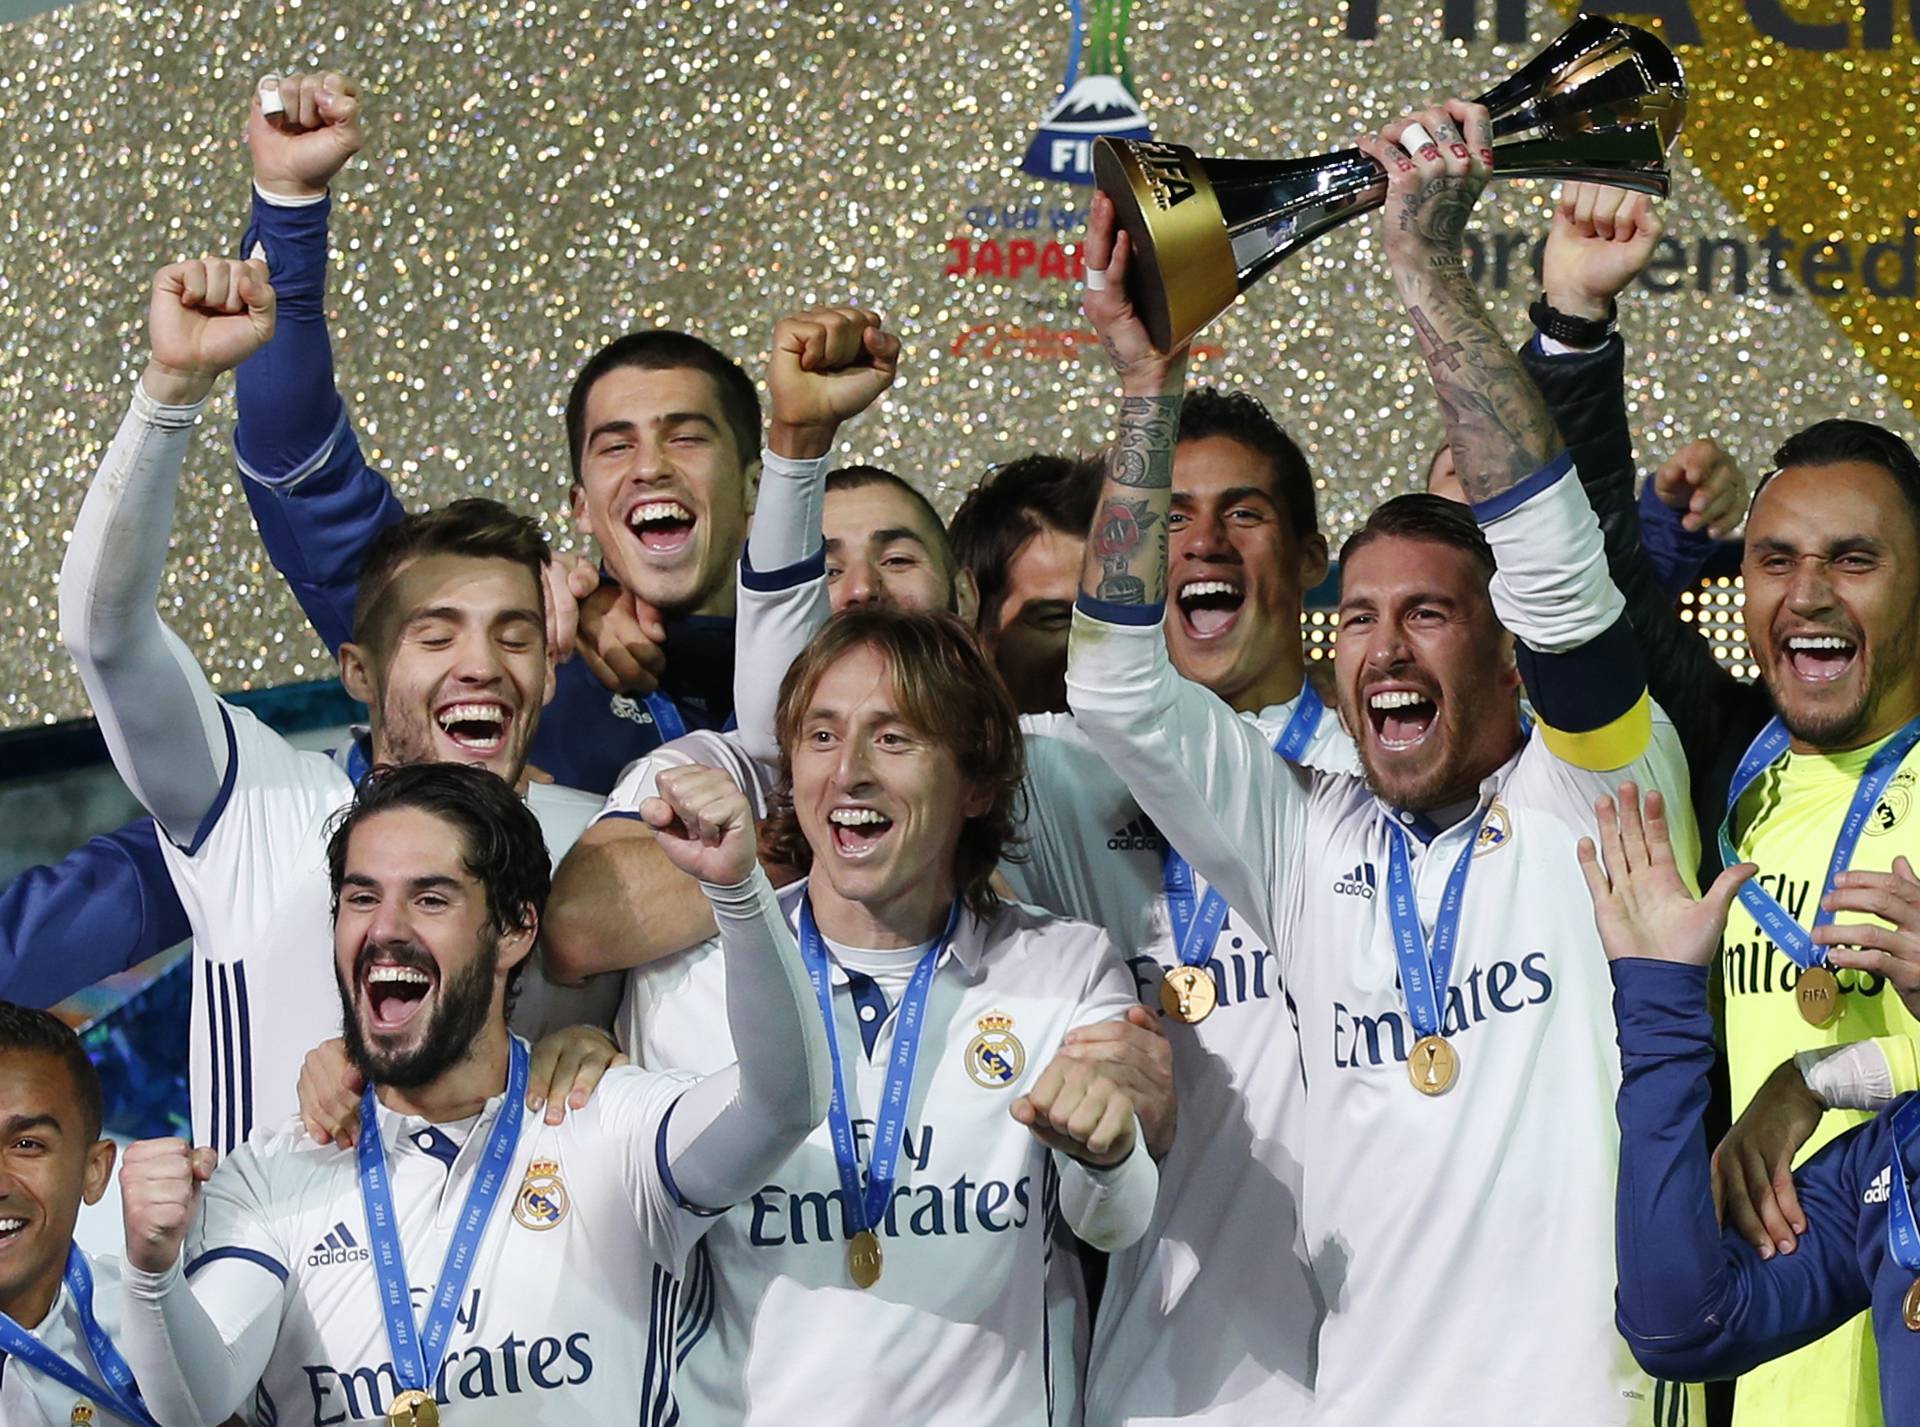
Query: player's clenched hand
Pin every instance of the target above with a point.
(1108, 255)
(159, 1187)
(206, 316)
(1641, 904)
(1137, 1054)
(828, 366)
(705, 824)
(622, 641)
(1707, 484)
(1892, 951)
(1753, 1166)
(330, 1091)
(1602, 239)
(302, 131)
(566, 1068)
(570, 579)
(1079, 1108)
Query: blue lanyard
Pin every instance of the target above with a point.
(119, 1391)
(1196, 930)
(867, 1210)
(1425, 968)
(417, 1354)
(1793, 939)
(666, 716)
(1903, 1234)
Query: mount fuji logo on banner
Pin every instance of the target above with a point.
(1099, 103)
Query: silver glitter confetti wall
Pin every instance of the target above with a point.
(541, 176)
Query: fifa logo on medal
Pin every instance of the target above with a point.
(542, 1201)
(995, 1057)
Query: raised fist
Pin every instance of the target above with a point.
(303, 129)
(159, 1188)
(206, 317)
(704, 823)
(828, 366)
(1602, 239)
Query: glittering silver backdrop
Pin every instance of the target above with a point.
(541, 176)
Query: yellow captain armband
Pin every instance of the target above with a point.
(1612, 745)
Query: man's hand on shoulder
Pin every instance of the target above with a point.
(302, 131)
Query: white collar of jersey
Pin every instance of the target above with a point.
(968, 947)
(1426, 828)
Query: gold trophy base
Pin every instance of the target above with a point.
(1183, 273)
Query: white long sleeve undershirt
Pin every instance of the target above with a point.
(160, 717)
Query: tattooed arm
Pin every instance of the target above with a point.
(1126, 559)
(1497, 422)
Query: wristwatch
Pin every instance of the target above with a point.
(1574, 331)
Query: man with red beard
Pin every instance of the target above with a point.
(1425, 921)
(449, 654)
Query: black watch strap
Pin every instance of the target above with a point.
(1574, 331)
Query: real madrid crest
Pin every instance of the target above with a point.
(82, 1415)
(1892, 808)
(995, 1057)
(1496, 829)
(542, 1201)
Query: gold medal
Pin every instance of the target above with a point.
(81, 1416)
(863, 1259)
(414, 1408)
(1188, 994)
(1433, 1066)
(1817, 993)
(1910, 1309)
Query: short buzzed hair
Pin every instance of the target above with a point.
(1210, 411)
(664, 350)
(859, 477)
(1827, 443)
(477, 528)
(28, 1032)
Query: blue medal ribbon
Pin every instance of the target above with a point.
(666, 716)
(418, 1352)
(117, 1390)
(1197, 929)
(1426, 968)
(864, 1210)
(1792, 938)
(1903, 1233)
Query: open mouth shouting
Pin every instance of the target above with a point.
(394, 993)
(663, 527)
(1401, 717)
(1209, 608)
(1819, 658)
(858, 831)
(477, 727)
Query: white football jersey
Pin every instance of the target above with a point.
(1462, 1243)
(255, 887)
(569, 1314)
(28, 1398)
(958, 1329)
(1212, 1316)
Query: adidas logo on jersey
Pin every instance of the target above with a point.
(338, 1247)
(1881, 1189)
(1363, 881)
(1139, 835)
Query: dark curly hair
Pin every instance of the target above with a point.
(947, 689)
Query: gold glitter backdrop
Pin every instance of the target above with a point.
(541, 176)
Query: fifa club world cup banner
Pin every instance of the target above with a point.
(539, 177)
